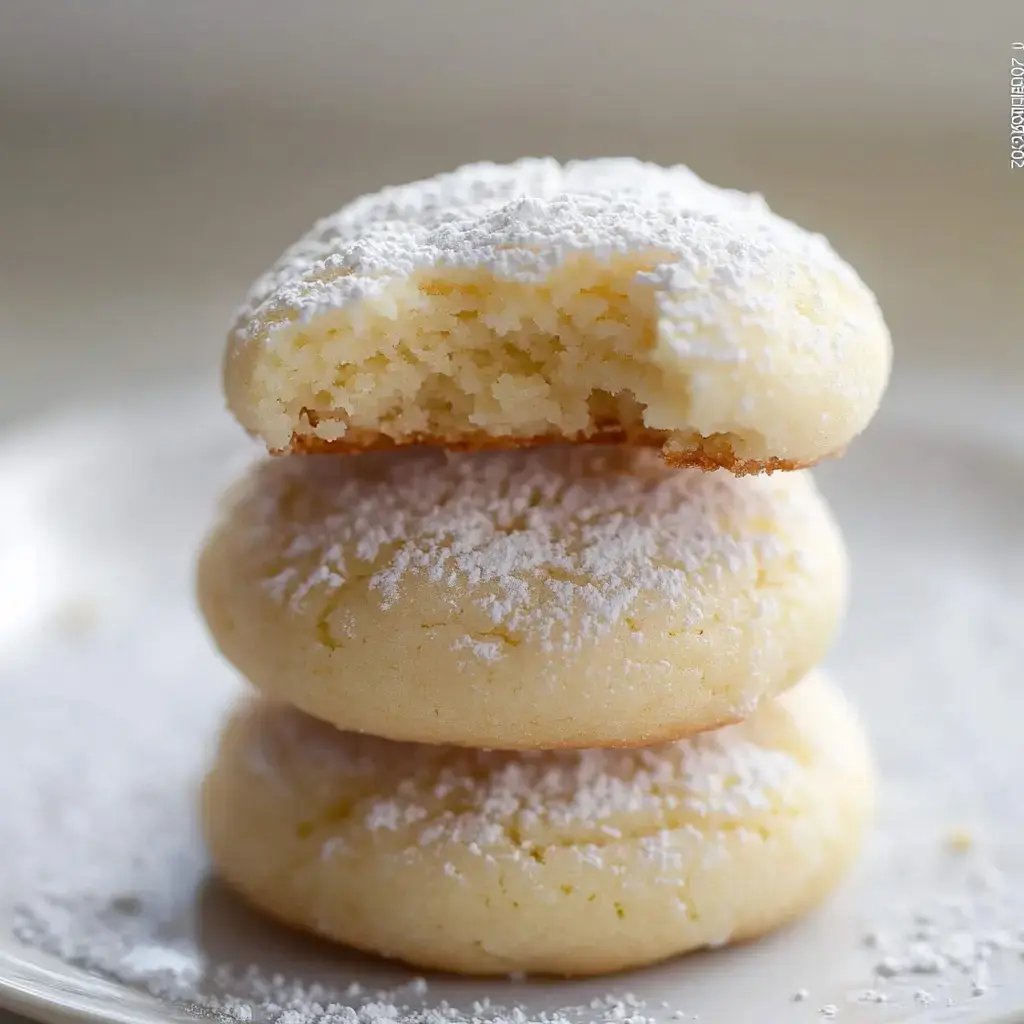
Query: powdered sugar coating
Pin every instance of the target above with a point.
(556, 545)
(477, 798)
(546, 862)
(522, 219)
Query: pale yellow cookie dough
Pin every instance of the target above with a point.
(523, 304)
(556, 862)
(559, 596)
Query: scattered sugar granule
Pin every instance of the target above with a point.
(871, 995)
(961, 938)
(980, 979)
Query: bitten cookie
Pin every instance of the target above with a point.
(548, 597)
(606, 300)
(555, 862)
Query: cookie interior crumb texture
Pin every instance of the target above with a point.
(603, 300)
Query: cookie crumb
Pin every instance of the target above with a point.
(960, 840)
(78, 617)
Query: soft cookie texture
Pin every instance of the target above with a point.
(603, 300)
(553, 862)
(570, 595)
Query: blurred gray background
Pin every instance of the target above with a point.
(155, 157)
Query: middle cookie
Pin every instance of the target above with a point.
(551, 597)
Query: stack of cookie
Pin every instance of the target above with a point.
(537, 692)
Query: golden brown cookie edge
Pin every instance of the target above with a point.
(721, 457)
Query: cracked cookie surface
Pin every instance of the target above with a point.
(560, 862)
(564, 596)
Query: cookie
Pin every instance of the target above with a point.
(604, 300)
(569, 595)
(553, 862)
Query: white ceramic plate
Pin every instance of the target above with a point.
(110, 694)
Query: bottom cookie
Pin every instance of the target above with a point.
(554, 862)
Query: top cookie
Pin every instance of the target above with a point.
(600, 300)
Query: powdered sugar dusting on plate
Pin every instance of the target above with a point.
(125, 947)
